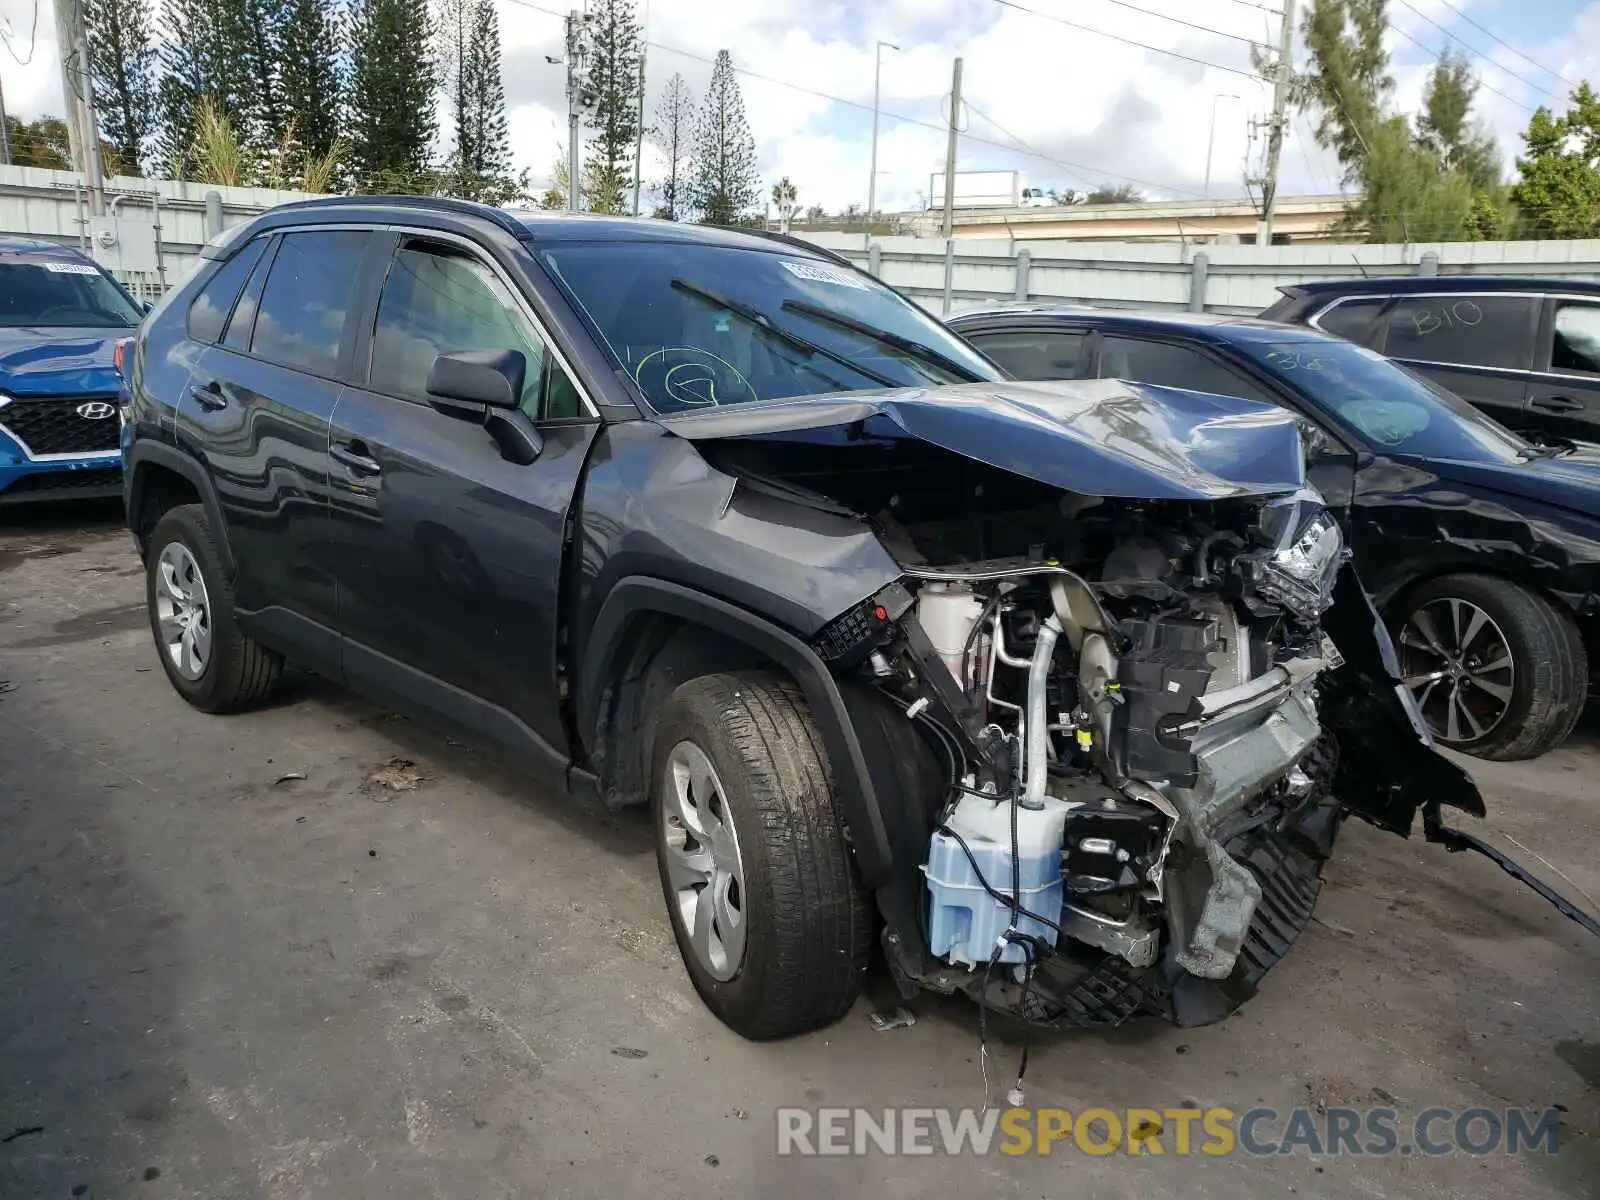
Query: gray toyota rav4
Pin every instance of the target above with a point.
(1061, 690)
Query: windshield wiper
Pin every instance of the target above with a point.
(763, 322)
(886, 337)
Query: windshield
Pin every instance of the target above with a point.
(697, 326)
(62, 294)
(1385, 404)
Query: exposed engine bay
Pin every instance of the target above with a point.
(1105, 782)
(1116, 700)
(1134, 698)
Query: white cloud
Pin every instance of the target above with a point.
(1104, 109)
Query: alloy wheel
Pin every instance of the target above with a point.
(1455, 661)
(704, 869)
(183, 610)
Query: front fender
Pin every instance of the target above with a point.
(1388, 764)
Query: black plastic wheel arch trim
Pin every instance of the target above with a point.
(641, 595)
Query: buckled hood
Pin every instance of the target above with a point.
(1099, 437)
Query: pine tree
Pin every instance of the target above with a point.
(673, 131)
(480, 165)
(309, 52)
(197, 61)
(255, 29)
(1446, 125)
(723, 181)
(614, 61)
(391, 101)
(122, 65)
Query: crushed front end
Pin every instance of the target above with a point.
(1127, 721)
(1105, 696)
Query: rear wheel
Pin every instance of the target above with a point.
(771, 920)
(1498, 671)
(205, 654)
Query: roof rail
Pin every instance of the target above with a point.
(466, 208)
(790, 239)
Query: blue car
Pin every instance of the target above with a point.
(61, 317)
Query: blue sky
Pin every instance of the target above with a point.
(1066, 106)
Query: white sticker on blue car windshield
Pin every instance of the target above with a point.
(817, 273)
(67, 268)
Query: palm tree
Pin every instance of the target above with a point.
(786, 196)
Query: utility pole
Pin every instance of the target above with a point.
(638, 148)
(5, 130)
(574, 103)
(77, 91)
(1283, 76)
(872, 179)
(950, 186)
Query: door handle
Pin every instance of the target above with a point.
(208, 395)
(356, 456)
(1557, 403)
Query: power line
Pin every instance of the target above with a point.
(1033, 12)
(892, 116)
(1277, 12)
(1481, 83)
(1089, 175)
(1506, 44)
(1470, 50)
(1150, 12)
(33, 39)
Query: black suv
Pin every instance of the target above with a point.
(1526, 351)
(716, 522)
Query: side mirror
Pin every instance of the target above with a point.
(487, 378)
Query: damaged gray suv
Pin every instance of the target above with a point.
(1060, 690)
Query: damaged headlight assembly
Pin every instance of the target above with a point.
(1297, 564)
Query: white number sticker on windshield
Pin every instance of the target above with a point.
(820, 274)
(65, 268)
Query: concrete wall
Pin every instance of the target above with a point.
(50, 204)
(1175, 276)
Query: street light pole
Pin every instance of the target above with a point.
(872, 179)
(1212, 140)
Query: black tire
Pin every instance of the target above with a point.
(240, 673)
(808, 924)
(1550, 679)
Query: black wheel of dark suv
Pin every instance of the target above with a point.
(206, 656)
(770, 917)
(1498, 671)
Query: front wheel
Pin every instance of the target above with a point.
(1498, 671)
(769, 915)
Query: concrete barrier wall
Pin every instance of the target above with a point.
(1175, 276)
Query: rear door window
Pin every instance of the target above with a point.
(1033, 353)
(1464, 330)
(1575, 348)
(309, 290)
(1351, 319)
(1170, 364)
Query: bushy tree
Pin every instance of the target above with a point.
(724, 182)
(122, 65)
(1558, 195)
(673, 132)
(198, 57)
(1114, 193)
(393, 80)
(1437, 179)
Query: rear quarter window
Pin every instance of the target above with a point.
(1464, 330)
(1352, 320)
(209, 312)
